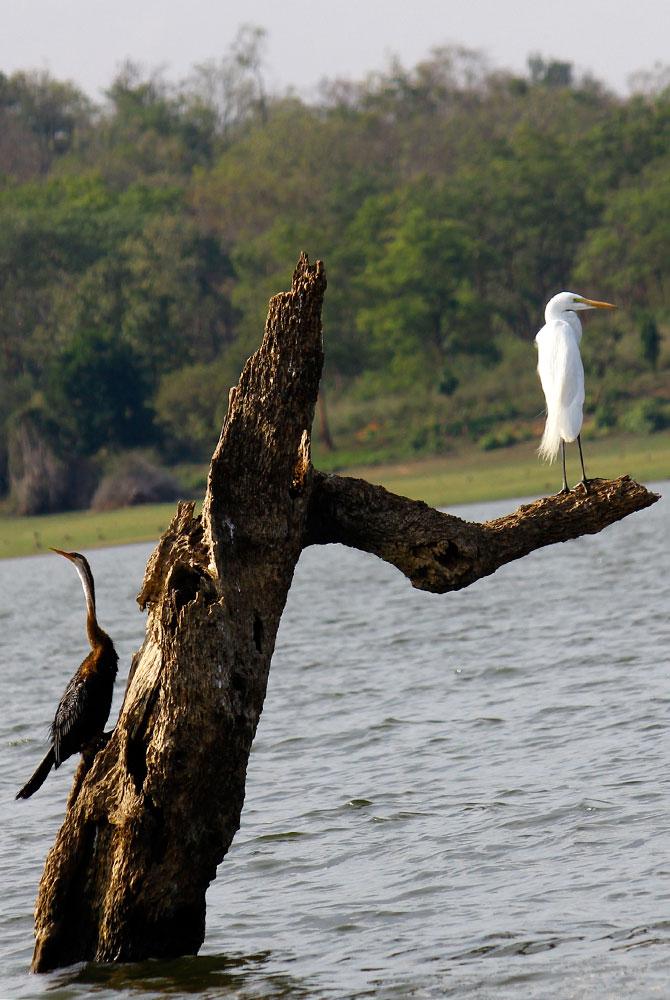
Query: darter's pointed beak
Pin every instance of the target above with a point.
(60, 552)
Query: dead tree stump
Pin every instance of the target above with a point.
(149, 822)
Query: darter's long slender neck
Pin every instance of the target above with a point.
(93, 630)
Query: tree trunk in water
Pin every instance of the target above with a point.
(151, 817)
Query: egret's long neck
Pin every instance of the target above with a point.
(93, 630)
(573, 319)
(555, 311)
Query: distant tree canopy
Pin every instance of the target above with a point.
(139, 242)
(97, 395)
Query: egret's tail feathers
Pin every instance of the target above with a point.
(39, 777)
(551, 439)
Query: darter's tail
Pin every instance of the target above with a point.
(39, 777)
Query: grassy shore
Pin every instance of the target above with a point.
(462, 477)
(472, 476)
(81, 530)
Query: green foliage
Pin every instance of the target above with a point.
(549, 72)
(646, 416)
(232, 90)
(419, 302)
(191, 404)
(498, 439)
(448, 382)
(626, 253)
(527, 206)
(406, 306)
(174, 310)
(50, 112)
(604, 416)
(650, 340)
(150, 130)
(140, 242)
(57, 239)
(96, 394)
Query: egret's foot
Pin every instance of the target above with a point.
(585, 483)
(563, 490)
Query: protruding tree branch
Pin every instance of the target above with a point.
(439, 552)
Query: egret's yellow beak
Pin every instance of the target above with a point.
(597, 305)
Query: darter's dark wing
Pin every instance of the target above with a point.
(69, 714)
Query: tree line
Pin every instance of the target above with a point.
(141, 238)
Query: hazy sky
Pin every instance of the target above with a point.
(86, 40)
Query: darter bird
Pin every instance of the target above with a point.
(84, 708)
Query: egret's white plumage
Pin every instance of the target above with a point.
(559, 366)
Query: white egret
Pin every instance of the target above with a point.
(559, 366)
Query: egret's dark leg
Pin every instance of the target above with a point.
(565, 488)
(584, 480)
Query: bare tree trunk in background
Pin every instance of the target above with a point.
(325, 437)
(148, 823)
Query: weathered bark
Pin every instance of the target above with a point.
(154, 813)
(439, 552)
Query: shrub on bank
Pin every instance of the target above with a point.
(132, 480)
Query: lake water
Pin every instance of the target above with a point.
(456, 796)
